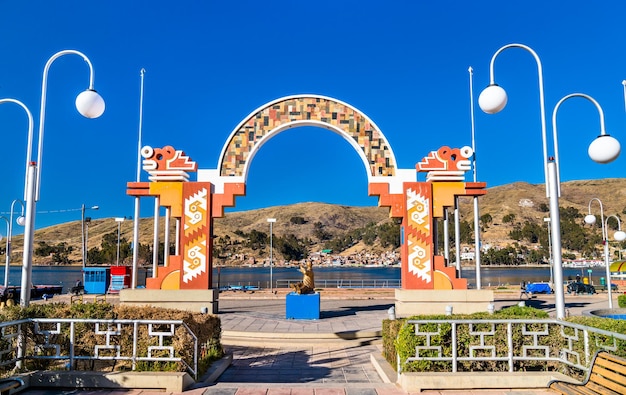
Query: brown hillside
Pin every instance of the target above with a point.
(523, 200)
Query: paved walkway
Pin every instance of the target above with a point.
(330, 356)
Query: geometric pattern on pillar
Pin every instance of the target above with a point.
(417, 271)
(191, 203)
(195, 241)
(423, 204)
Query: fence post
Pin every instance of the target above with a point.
(135, 335)
(21, 343)
(509, 340)
(72, 345)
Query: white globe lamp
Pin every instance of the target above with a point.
(590, 219)
(604, 149)
(620, 235)
(492, 99)
(90, 104)
(21, 220)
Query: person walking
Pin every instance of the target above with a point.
(523, 290)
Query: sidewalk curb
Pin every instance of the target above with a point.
(214, 372)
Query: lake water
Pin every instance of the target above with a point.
(260, 276)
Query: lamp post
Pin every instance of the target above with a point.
(84, 233)
(603, 149)
(6, 249)
(619, 236)
(271, 221)
(119, 221)
(25, 269)
(547, 220)
(20, 221)
(89, 104)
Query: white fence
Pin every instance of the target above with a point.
(508, 342)
(135, 341)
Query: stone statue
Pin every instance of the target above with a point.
(307, 285)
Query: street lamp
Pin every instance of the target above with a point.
(119, 221)
(25, 269)
(6, 250)
(84, 234)
(20, 221)
(547, 220)
(602, 150)
(271, 221)
(89, 104)
(619, 236)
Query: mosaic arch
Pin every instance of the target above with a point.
(306, 110)
(415, 204)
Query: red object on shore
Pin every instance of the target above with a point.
(120, 278)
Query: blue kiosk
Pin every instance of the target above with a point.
(96, 280)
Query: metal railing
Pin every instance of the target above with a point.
(345, 283)
(61, 339)
(529, 340)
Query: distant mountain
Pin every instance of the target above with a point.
(521, 201)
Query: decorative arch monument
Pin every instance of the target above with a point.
(186, 277)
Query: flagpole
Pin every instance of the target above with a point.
(476, 213)
(138, 178)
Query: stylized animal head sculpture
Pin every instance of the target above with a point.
(446, 164)
(167, 164)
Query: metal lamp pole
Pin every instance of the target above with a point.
(6, 250)
(20, 221)
(550, 252)
(603, 149)
(27, 263)
(619, 236)
(89, 104)
(271, 221)
(119, 225)
(82, 221)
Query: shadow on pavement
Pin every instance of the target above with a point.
(349, 311)
(258, 365)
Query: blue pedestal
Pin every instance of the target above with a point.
(303, 307)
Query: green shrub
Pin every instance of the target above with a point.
(607, 324)
(390, 332)
(207, 329)
(399, 339)
(621, 301)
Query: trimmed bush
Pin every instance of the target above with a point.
(207, 329)
(621, 301)
(399, 339)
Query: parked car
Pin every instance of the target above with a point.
(604, 288)
(578, 287)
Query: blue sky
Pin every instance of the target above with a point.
(209, 64)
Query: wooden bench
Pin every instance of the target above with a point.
(6, 385)
(607, 375)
